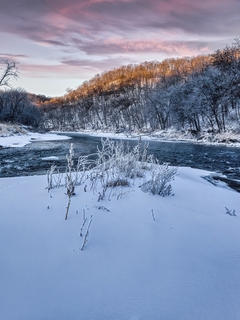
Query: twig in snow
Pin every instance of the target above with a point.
(84, 221)
(102, 208)
(153, 216)
(87, 234)
(231, 212)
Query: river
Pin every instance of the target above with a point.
(33, 159)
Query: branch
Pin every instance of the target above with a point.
(9, 72)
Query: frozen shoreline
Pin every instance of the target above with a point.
(20, 140)
(17, 136)
(166, 136)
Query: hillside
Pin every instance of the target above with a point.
(192, 94)
(198, 96)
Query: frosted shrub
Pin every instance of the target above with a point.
(116, 167)
(77, 174)
(114, 155)
(116, 164)
(54, 178)
(80, 174)
(159, 183)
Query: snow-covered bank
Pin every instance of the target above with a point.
(225, 139)
(19, 136)
(184, 265)
(209, 138)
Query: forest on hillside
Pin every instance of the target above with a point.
(193, 94)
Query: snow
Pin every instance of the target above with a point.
(53, 158)
(185, 265)
(21, 140)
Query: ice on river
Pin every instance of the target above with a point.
(51, 158)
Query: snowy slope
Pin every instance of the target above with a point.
(185, 265)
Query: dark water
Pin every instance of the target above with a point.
(29, 159)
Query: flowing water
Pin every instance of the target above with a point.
(35, 158)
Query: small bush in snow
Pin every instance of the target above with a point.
(159, 183)
(80, 173)
(54, 178)
(116, 167)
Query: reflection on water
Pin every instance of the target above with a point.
(29, 159)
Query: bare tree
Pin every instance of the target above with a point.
(8, 72)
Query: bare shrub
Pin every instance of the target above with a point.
(161, 176)
(54, 178)
(118, 166)
(80, 173)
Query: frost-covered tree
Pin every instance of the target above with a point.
(8, 72)
(15, 106)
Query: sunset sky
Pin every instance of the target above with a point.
(61, 43)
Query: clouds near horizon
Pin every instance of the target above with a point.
(122, 31)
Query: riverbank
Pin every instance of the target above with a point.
(18, 136)
(229, 139)
(12, 136)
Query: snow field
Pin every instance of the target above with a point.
(184, 265)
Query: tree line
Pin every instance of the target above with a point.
(190, 93)
(16, 105)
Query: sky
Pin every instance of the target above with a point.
(59, 44)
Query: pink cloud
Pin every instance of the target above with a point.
(123, 46)
(62, 21)
(96, 34)
(148, 46)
